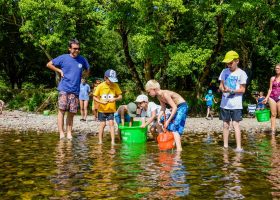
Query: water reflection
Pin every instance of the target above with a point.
(72, 162)
(99, 179)
(274, 173)
(36, 166)
(232, 184)
(171, 177)
(132, 166)
(65, 168)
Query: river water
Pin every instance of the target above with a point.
(39, 166)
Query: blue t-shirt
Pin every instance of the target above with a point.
(72, 69)
(260, 104)
(209, 99)
(84, 91)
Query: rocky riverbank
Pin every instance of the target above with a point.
(25, 121)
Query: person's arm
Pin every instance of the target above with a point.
(95, 98)
(97, 95)
(150, 120)
(269, 91)
(204, 99)
(51, 66)
(241, 90)
(214, 100)
(122, 115)
(118, 98)
(86, 73)
(88, 89)
(90, 95)
(173, 106)
(162, 110)
(222, 86)
(222, 81)
(86, 68)
(131, 121)
(143, 119)
(118, 94)
(142, 114)
(257, 98)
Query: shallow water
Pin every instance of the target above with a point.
(39, 166)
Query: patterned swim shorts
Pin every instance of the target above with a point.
(68, 102)
(177, 124)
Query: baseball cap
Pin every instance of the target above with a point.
(111, 75)
(141, 98)
(230, 56)
(209, 91)
(131, 109)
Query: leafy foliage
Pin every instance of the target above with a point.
(180, 43)
(31, 100)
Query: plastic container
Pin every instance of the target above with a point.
(165, 140)
(263, 115)
(46, 112)
(133, 134)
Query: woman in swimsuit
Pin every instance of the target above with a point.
(273, 97)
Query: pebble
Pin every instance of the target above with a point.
(25, 121)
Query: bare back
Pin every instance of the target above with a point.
(165, 96)
(122, 110)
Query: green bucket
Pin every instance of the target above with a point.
(263, 115)
(46, 112)
(133, 134)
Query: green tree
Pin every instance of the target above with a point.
(180, 43)
(146, 29)
(18, 60)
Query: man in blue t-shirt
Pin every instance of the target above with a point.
(70, 67)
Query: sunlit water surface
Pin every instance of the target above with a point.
(39, 166)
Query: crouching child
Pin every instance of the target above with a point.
(179, 110)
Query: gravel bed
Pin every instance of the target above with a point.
(25, 121)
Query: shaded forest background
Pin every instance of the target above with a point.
(178, 42)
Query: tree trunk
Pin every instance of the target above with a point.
(129, 61)
(148, 73)
(162, 68)
(220, 39)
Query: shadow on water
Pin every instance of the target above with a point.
(39, 166)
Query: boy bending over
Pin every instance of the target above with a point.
(125, 113)
(176, 121)
(149, 114)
